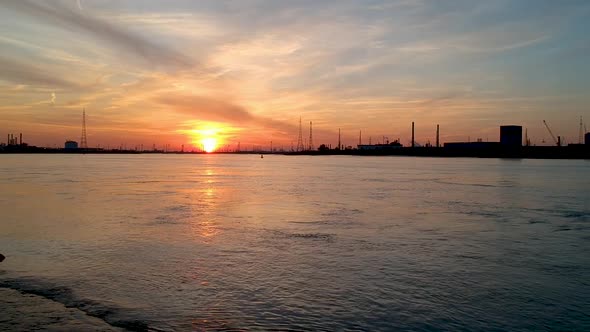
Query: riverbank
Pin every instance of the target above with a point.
(44, 314)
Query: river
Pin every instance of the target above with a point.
(312, 243)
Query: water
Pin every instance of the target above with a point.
(235, 242)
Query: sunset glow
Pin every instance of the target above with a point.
(209, 144)
(207, 136)
(148, 72)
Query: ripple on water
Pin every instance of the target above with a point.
(303, 236)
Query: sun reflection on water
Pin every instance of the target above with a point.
(205, 225)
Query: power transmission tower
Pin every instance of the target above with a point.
(83, 140)
(310, 137)
(300, 146)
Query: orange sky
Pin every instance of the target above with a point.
(180, 72)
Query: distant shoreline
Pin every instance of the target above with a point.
(525, 152)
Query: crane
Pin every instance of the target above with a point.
(557, 141)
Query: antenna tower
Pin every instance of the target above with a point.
(300, 146)
(83, 140)
(310, 137)
(339, 142)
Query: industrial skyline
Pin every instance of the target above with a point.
(185, 72)
(509, 135)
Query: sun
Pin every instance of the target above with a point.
(209, 144)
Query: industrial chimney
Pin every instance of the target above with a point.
(412, 133)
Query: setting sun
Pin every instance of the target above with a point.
(206, 136)
(209, 144)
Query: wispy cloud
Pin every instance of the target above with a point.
(58, 14)
(209, 109)
(26, 73)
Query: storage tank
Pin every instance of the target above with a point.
(71, 145)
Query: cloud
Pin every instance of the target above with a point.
(211, 109)
(60, 15)
(205, 108)
(25, 73)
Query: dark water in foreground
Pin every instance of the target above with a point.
(297, 243)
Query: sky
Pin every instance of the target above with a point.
(245, 71)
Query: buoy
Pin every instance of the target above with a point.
(261, 156)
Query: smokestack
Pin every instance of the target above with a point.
(412, 133)
(437, 136)
(21, 138)
(7, 139)
(558, 140)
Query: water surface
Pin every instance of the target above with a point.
(235, 242)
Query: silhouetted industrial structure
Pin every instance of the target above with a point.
(509, 146)
(581, 131)
(300, 146)
(556, 140)
(83, 140)
(11, 140)
(413, 142)
(311, 147)
(69, 145)
(385, 146)
(511, 135)
(437, 136)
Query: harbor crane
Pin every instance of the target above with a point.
(556, 140)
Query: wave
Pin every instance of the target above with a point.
(501, 184)
(310, 236)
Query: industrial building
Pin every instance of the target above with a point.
(472, 145)
(393, 145)
(511, 136)
(14, 141)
